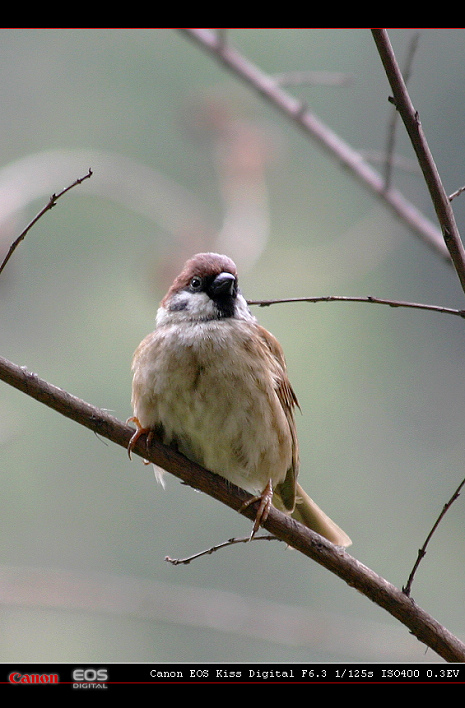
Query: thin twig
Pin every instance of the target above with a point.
(219, 546)
(50, 204)
(456, 193)
(422, 550)
(367, 299)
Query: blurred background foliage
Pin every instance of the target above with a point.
(186, 158)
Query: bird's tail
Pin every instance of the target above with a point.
(310, 514)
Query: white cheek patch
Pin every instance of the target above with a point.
(242, 309)
(201, 307)
(185, 306)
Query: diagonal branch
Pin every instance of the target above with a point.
(422, 551)
(414, 129)
(293, 109)
(338, 561)
(50, 204)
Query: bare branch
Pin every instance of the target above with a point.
(422, 551)
(296, 111)
(50, 204)
(367, 299)
(414, 129)
(219, 546)
(336, 560)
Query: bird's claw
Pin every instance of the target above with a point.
(139, 431)
(264, 507)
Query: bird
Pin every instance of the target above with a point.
(211, 382)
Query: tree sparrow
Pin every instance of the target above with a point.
(212, 382)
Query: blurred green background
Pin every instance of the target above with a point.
(183, 154)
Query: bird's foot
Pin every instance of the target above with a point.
(139, 431)
(264, 507)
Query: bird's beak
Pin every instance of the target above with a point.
(223, 284)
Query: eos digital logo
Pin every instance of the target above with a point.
(90, 678)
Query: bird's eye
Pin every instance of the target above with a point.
(196, 283)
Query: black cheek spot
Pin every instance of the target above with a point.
(178, 306)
